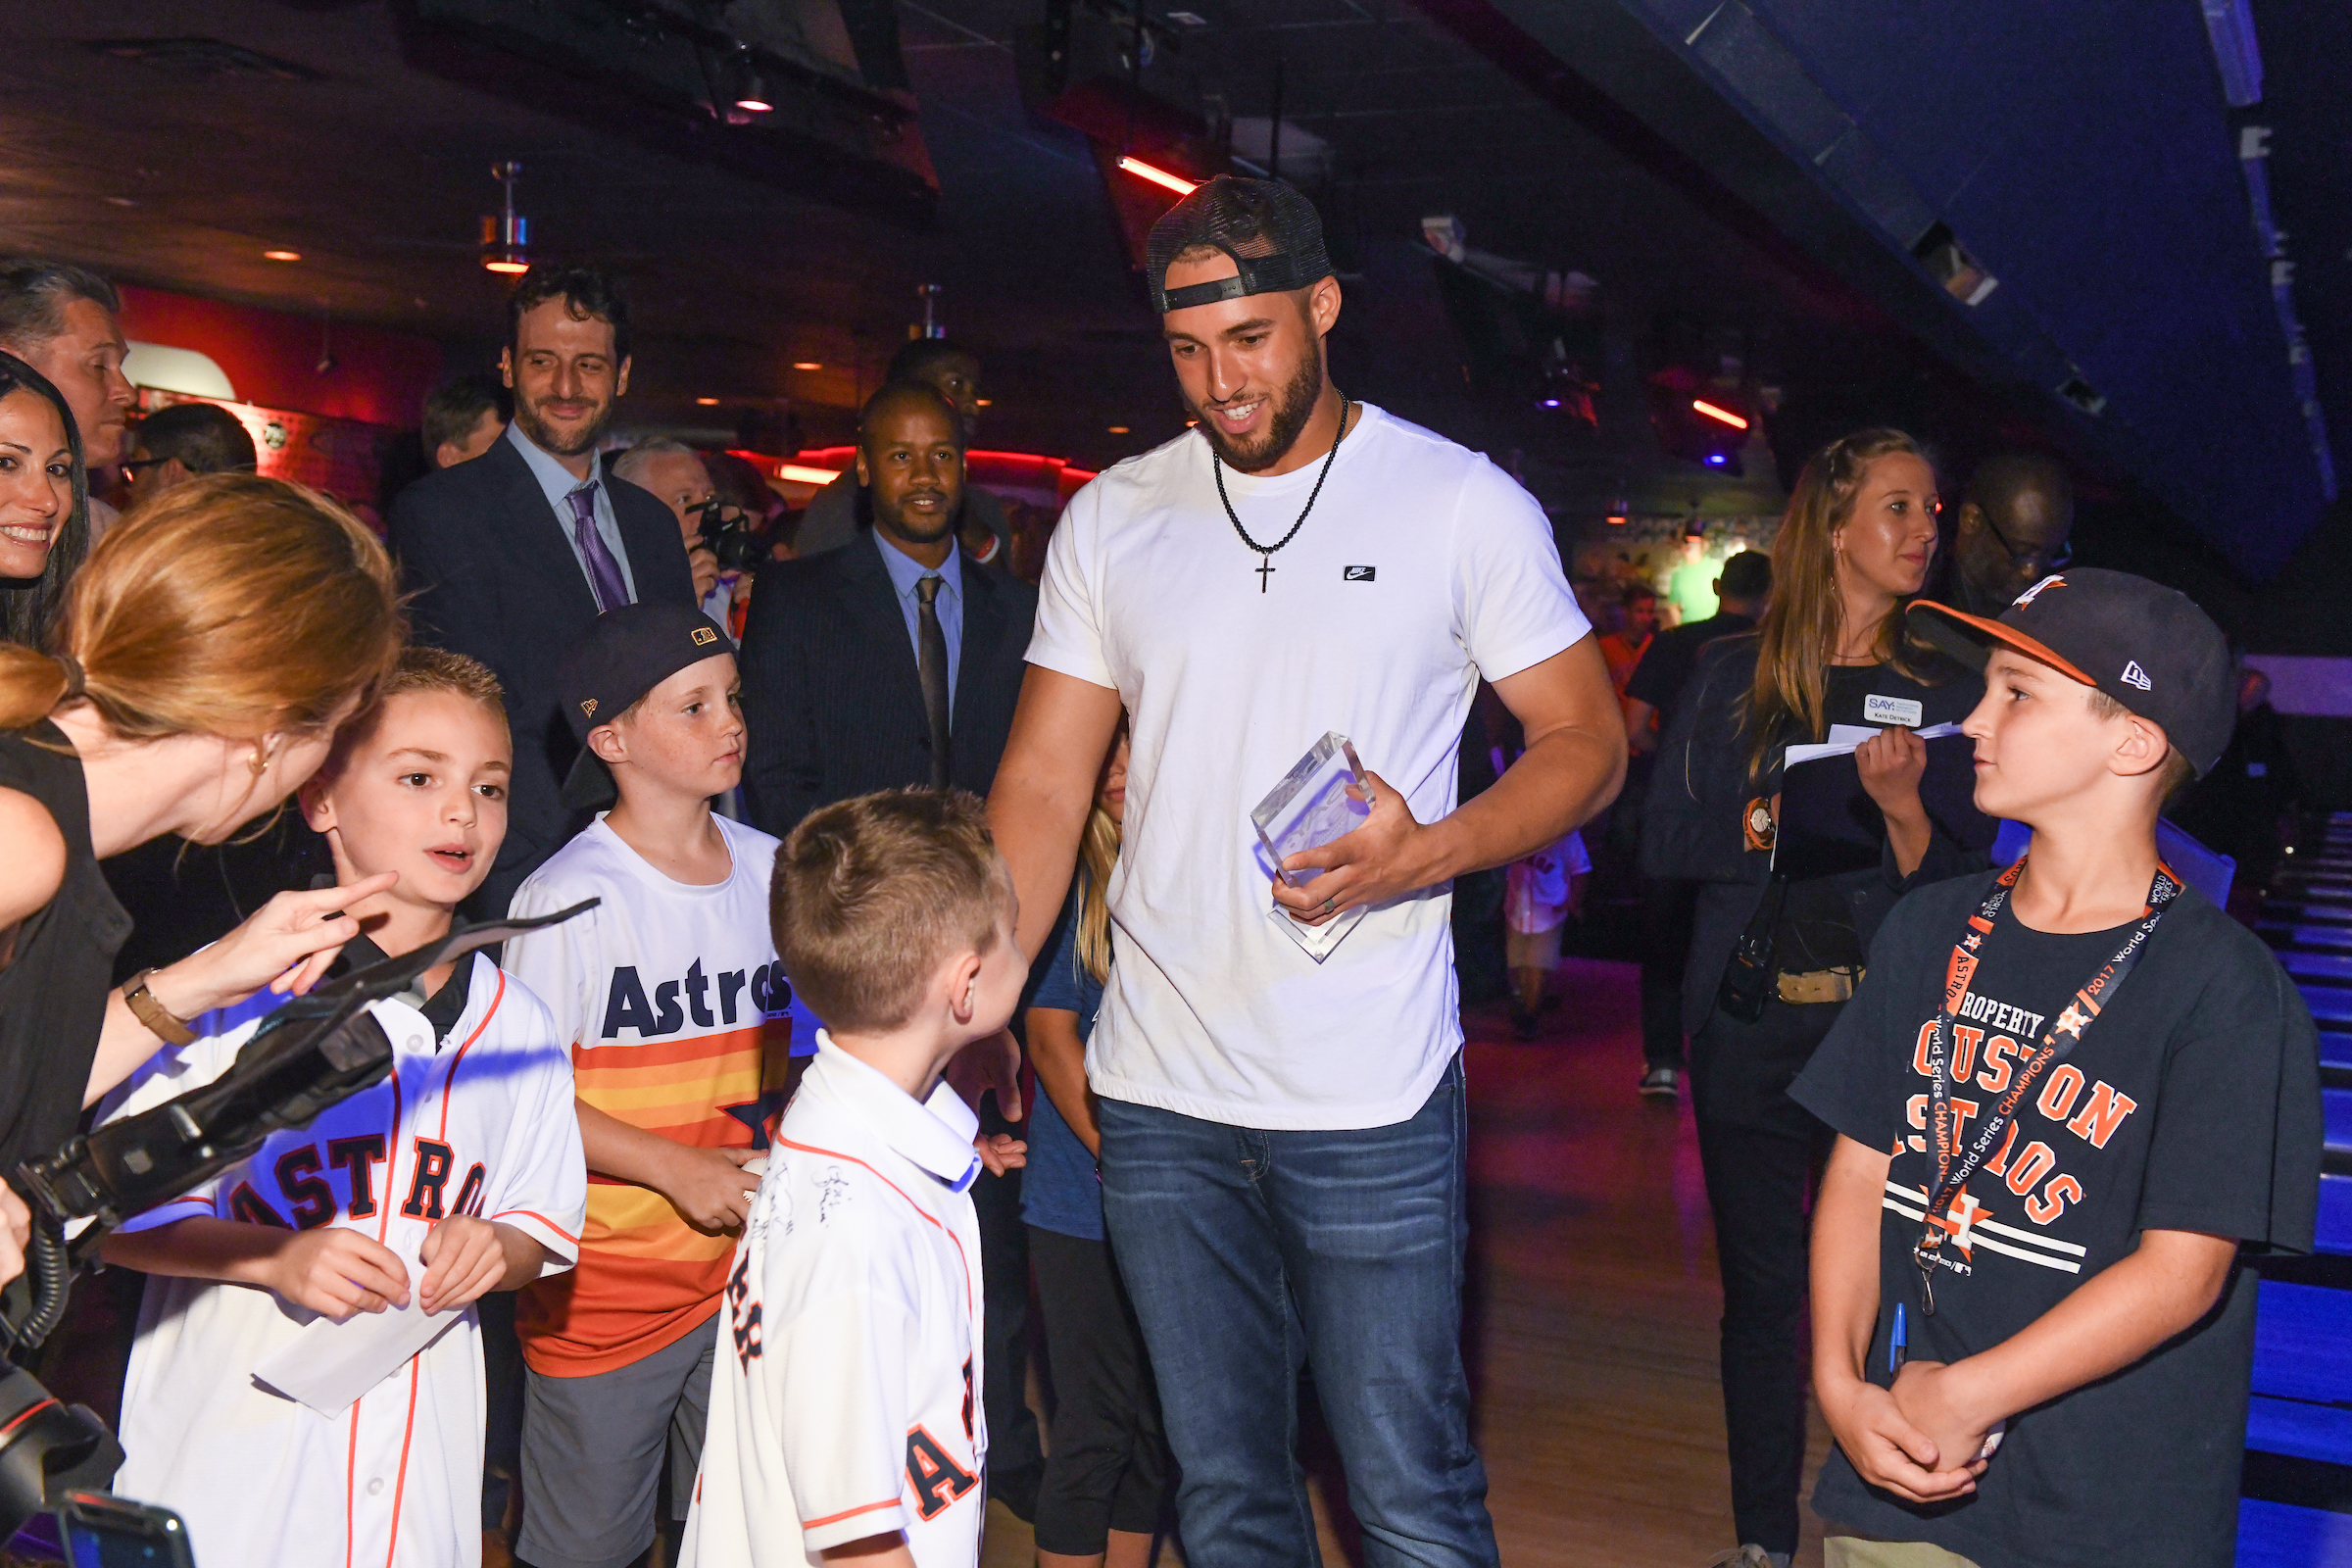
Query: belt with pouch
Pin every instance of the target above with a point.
(1819, 985)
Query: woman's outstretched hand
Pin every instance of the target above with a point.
(285, 945)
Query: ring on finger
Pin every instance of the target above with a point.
(1327, 906)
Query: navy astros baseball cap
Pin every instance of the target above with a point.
(2148, 647)
(627, 654)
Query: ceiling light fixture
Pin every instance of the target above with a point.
(1160, 176)
(1119, 429)
(506, 235)
(808, 364)
(802, 474)
(1736, 422)
(707, 403)
(281, 255)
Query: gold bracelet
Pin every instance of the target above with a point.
(159, 1019)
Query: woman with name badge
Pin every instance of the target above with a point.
(1780, 939)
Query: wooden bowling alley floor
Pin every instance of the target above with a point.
(1592, 1305)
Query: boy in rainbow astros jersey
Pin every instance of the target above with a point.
(680, 1025)
(2071, 1096)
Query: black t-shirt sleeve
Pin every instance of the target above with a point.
(1853, 1083)
(2235, 1150)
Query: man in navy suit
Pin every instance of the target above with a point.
(511, 556)
(897, 660)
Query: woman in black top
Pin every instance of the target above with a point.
(1853, 546)
(44, 502)
(207, 652)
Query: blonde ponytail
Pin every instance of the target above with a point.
(31, 683)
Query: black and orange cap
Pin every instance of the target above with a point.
(2147, 646)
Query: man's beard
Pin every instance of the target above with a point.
(1291, 410)
(545, 439)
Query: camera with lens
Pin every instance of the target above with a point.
(729, 534)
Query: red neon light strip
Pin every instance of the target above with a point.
(1722, 416)
(1160, 176)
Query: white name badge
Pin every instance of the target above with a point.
(1903, 711)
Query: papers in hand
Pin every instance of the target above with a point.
(1846, 739)
(1828, 822)
(328, 1365)
(1308, 810)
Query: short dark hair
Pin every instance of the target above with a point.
(918, 355)
(587, 292)
(205, 437)
(454, 408)
(1638, 591)
(33, 296)
(1747, 575)
(872, 894)
(905, 391)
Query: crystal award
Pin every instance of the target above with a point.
(1307, 811)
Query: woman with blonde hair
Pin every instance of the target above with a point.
(1108, 1474)
(1773, 959)
(206, 653)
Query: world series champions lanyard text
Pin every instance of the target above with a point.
(1955, 1165)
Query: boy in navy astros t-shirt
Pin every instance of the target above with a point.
(2068, 1093)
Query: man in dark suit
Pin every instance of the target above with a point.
(897, 660)
(513, 556)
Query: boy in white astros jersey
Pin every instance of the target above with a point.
(844, 1423)
(456, 1175)
(678, 1019)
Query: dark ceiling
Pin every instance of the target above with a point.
(1586, 134)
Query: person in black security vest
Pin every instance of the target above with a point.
(897, 660)
(2065, 1097)
(1856, 542)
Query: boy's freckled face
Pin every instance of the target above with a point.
(423, 795)
(688, 731)
(2037, 740)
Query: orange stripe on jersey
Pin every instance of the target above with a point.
(849, 1513)
(657, 1052)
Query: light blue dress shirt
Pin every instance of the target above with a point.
(904, 572)
(559, 482)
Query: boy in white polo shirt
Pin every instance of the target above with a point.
(844, 1422)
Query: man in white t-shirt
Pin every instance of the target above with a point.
(1283, 1138)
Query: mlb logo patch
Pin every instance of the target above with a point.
(704, 636)
(1357, 574)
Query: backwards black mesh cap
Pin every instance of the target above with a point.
(1273, 234)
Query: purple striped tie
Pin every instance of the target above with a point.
(604, 572)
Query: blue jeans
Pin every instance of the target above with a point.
(1249, 1254)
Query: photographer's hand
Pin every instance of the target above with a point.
(705, 566)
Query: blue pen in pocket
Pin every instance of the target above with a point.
(1897, 1344)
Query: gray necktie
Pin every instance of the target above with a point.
(931, 667)
(605, 580)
